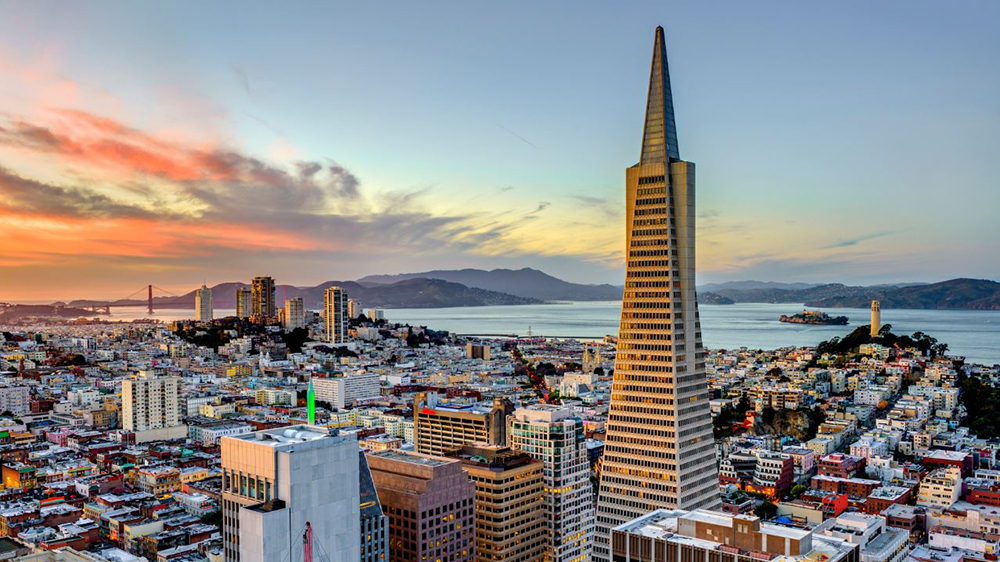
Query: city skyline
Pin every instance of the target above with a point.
(295, 159)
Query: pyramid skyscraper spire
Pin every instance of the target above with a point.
(659, 451)
(659, 136)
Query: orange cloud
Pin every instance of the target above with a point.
(33, 238)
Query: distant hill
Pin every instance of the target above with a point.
(527, 283)
(530, 286)
(709, 297)
(16, 312)
(975, 294)
(745, 285)
(779, 295)
(409, 293)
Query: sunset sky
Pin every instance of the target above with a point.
(179, 142)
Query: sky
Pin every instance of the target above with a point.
(182, 142)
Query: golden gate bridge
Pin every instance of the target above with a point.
(131, 300)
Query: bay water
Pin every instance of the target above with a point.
(974, 334)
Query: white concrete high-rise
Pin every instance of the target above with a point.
(876, 318)
(15, 399)
(659, 451)
(276, 481)
(150, 407)
(295, 313)
(203, 304)
(344, 390)
(555, 436)
(354, 308)
(335, 314)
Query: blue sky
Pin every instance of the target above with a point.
(851, 142)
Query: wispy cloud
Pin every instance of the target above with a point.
(606, 208)
(590, 200)
(526, 141)
(843, 243)
(542, 205)
(244, 80)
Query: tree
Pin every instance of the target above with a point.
(213, 518)
(797, 491)
(767, 415)
(766, 510)
(981, 400)
(816, 418)
(295, 339)
(414, 340)
(743, 405)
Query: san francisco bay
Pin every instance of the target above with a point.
(974, 334)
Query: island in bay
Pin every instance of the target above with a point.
(814, 317)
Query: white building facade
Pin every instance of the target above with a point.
(555, 436)
(150, 407)
(276, 481)
(344, 390)
(203, 304)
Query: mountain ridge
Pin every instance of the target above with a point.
(524, 282)
(959, 293)
(409, 293)
(531, 286)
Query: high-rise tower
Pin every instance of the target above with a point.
(555, 436)
(335, 314)
(659, 450)
(244, 302)
(295, 313)
(203, 304)
(876, 322)
(263, 299)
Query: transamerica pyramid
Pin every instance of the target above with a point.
(659, 451)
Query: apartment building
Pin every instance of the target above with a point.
(941, 488)
(430, 502)
(344, 390)
(443, 425)
(678, 535)
(555, 436)
(151, 407)
(510, 516)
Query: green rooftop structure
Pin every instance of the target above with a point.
(311, 403)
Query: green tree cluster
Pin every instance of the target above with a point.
(982, 402)
(766, 510)
(722, 424)
(862, 335)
